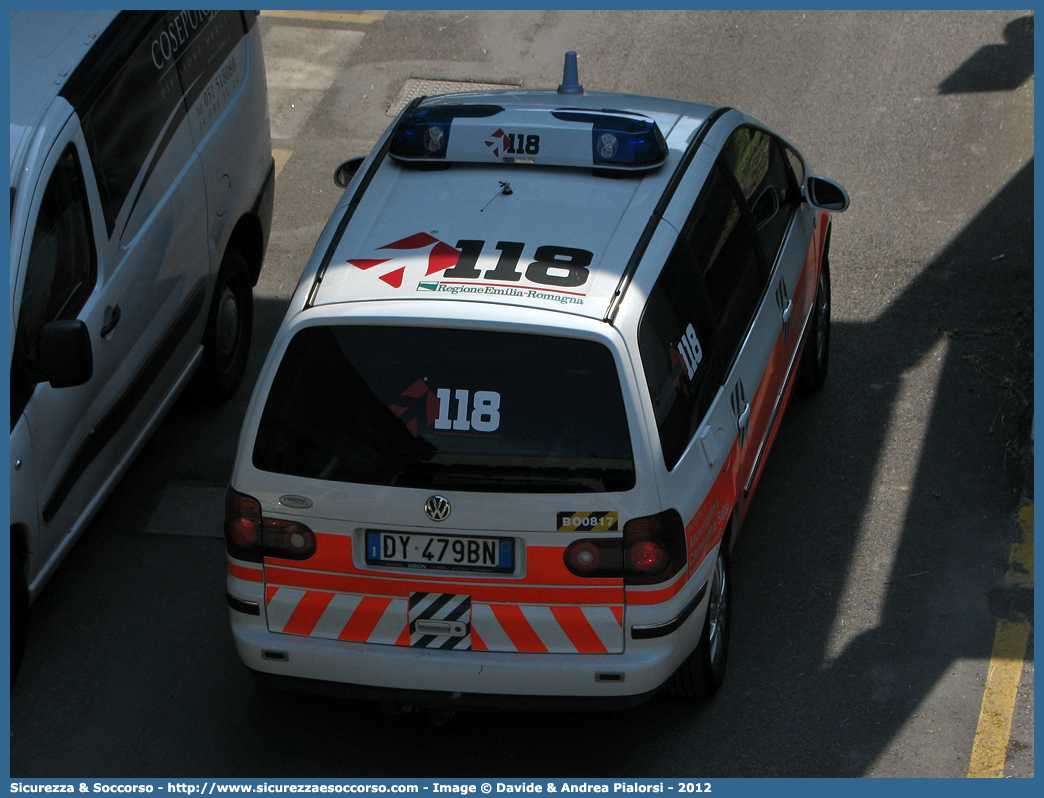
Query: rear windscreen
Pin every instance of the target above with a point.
(453, 409)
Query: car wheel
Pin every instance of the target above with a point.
(703, 671)
(816, 354)
(226, 342)
(19, 615)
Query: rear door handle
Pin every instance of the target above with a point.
(114, 319)
(744, 416)
(786, 310)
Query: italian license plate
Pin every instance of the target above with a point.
(440, 552)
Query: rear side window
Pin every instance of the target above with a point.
(726, 251)
(451, 409)
(676, 345)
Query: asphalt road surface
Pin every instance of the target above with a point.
(870, 577)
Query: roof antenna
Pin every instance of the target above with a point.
(570, 80)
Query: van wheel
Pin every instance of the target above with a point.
(226, 342)
(19, 615)
(703, 671)
(816, 354)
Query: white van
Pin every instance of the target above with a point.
(142, 185)
(520, 401)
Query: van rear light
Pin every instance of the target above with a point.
(654, 548)
(585, 557)
(287, 540)
(647, 557)
(242, 532)
(242, 526)
(595, 557)
(249, 536)
(652, 551)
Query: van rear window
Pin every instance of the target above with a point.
(453, 409)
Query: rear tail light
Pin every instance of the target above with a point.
(249, 536)
(595, 557)
(654, 548)
(287, 540)
(242, 526)
(647, 557)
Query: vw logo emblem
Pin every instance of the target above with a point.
(437, 508)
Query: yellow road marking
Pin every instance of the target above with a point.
(1002, 683)
(356, 17)
(281, 157)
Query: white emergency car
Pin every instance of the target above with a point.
(141, 202)
(513, 418)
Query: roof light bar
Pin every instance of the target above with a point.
(423, 133)
(620, 139)
(599, 139)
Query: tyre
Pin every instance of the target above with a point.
(816, 355)
(19, 615)
(703, 671)
(226, 341)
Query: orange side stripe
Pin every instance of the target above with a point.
(363, 621)
(307, 613)
(546, 565)
(578, 629)
(242, 572)
(788, 389)
(517, 628)
(618, 614)
(638, 596)
(270, 591)
(477, 643)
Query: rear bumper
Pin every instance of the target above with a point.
(465, 679)
(435, 699)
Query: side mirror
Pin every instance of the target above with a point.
(345, 172)
(825, 194)
(64, 356)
